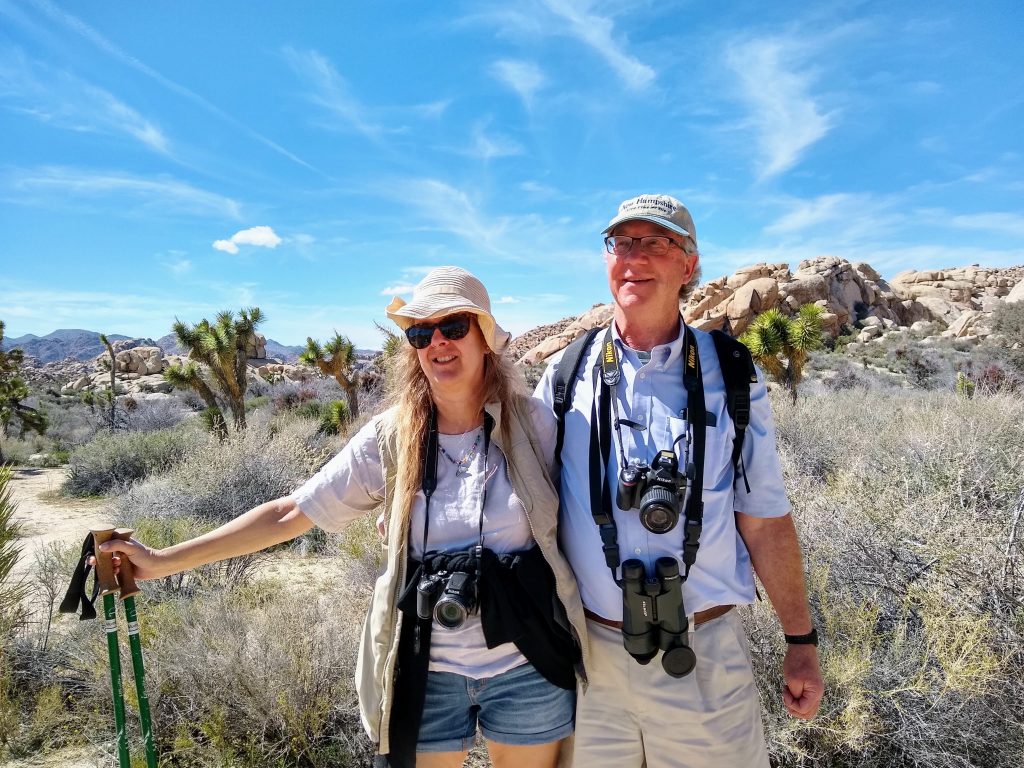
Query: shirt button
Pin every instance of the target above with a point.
(636, 551)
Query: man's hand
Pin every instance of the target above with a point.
(803, 685)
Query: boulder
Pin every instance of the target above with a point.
(751, 299)
(1016, 294)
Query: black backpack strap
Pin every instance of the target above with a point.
(565, 382)
(739, 374)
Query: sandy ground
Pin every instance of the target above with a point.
(45, 517)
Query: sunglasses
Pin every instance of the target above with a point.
(452, 328)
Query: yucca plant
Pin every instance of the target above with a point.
(336, 358)
(11, 592)
(12, 391)
(781, 345)
(221, 348)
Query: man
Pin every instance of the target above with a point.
(662, 714)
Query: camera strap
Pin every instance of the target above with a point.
(601, 426)
(430, 451)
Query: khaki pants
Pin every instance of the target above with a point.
(635, 715)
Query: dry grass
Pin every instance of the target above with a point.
(906, 506)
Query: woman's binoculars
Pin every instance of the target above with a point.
(653, 616)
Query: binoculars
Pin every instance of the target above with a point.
(653, 616)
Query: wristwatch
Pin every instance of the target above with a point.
(811, 638)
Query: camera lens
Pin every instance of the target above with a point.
(449, 613)
(658, 513)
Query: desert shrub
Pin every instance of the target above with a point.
(1008, 321)
(219, 480)
(256, 402)
(264, 681)
(151, 415)
(910, 513)
(113, 461)
(288, 396)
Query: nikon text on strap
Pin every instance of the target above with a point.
(734, 360)
(600, 452)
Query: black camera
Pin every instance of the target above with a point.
(657, 491)
(654, 618)
(449, 597)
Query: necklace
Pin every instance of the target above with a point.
(462, 464)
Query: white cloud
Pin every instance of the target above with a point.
(487, 146)
(598, 33)
(161, 194)
(523, 77)
(806, 214)
(303, 239)
(775, 85)
(182, 267)
(84, 30)
(507, 300)
(1004, 223)
(400, 289)
(577, 20)
(262, 236)
(332, 92)
(63, 99)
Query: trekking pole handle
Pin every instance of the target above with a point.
(105, 578)
(126, 575)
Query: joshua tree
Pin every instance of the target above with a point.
(221, 348)
(337, 358)
(112, 395)
(781, 345)
(12, 391)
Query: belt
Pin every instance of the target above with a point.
(700, 617)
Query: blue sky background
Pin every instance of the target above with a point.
(163, 160)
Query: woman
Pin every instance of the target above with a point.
(476, 613)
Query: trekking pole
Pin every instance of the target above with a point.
(129, 589)
(108, 588)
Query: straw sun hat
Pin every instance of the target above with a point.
(448, 291)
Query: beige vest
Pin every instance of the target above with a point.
(378, 651)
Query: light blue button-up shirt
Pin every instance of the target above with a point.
(652, 394)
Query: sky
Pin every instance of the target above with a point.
(314, 159)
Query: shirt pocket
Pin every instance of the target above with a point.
(717, 450)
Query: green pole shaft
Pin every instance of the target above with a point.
(115, 679)
(140, 680)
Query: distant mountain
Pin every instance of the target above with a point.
(283, 353)
(81, 345)
(74, 343)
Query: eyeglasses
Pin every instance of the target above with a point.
(453, 328)
(652, 245)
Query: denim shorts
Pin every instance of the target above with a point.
(517, 707)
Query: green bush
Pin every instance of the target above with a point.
(112, 462)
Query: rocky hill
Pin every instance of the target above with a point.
(64, 344)
(853, 295)
(78, 345)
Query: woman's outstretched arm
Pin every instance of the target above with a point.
(261, 527)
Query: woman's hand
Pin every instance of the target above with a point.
(147, 562)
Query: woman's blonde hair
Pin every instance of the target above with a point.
(409, 392)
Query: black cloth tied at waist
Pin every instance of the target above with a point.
(517, 603)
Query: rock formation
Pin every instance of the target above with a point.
(853, 295)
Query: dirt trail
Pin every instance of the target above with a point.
(46, 517)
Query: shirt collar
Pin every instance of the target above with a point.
(663, 356)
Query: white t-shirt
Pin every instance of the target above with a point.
(352, 484)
